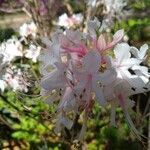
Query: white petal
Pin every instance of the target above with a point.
(121, 52)
(101, 43)
(143, 51)
(139, 53)
(134, 51)
(53, 81)
(141, 70)
(128, 63)
(118, 35)
(132, 84)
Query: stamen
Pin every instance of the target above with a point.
(102, 68)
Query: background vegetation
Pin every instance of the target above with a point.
(25, 117)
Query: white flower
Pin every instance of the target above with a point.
(129, 83)
(68, 22)
(28, 29)
(15, 79)
(77, 70)
(115, 5)
(33, 52)
(11, 49)
(123, 56)
(140, 54)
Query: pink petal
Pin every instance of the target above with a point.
(116, 38)
(101, 43)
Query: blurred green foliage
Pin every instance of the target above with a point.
(5, 34)
(137, 29)
(141, 4)
(26, 124)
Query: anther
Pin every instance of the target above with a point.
(84, 90)
(145, 88)
(100, 84)
(81, 96)
(134, 89)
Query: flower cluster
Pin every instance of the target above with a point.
(28, 29)
(48, 13)
(81, 68)
(68, 22)
(111, 10)
(17, 49)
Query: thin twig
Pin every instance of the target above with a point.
(5, 122)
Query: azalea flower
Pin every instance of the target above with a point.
(14, 78)
(130, 84)
(28, 29)
(141, 71)
(122, 64)
(68, 22)
(88, 79)
(11, 49)
(77, 71)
